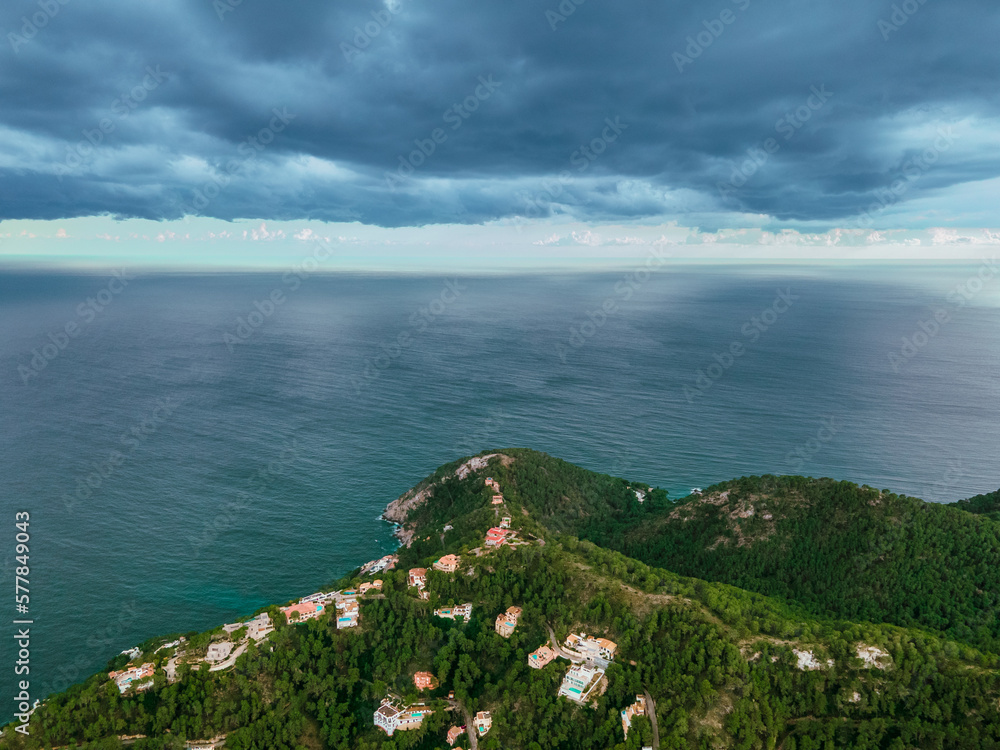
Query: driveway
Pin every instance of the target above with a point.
(231, 660)
(596, 661)
(469, 729)
(560, 651)
(651, 710)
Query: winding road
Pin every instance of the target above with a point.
(575, 658)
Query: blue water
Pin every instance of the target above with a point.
(185, 532)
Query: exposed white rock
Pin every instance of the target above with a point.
(808, 661)
(872, 656)
(473, 464)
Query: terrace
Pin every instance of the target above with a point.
(447, 564)
(507, 621)
(541, 657)
(580, 682)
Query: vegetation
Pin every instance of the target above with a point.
(987, 505)
(835, 548)
(722, 663)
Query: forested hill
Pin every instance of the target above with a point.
(559, 495)
(986, 505)
(724, 668)
(834, 547)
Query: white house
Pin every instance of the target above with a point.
(579, 682)
(391, 716)
(219, 651)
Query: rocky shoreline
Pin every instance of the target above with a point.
(399, 509)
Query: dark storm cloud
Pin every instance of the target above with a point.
(148, 110)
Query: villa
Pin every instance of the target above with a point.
(505, 522)
(491, 482)
(591, 648)
(424, 681)
(340, 598)
(453, 613)
(495, 537)
(636, 709)
(321, 596)
(541, 657)
(126, 678)
(454, 733)
(348, 617)
(418, 577)
(498, 499)
(302, 611)
(391, 716)
(483, 722)
(260, 627)
(579, 682)
(376, 566)
(507, 621)
(447, 564)
(219, 651)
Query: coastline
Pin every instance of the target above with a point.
(397, 511)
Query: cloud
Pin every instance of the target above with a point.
(157, 111)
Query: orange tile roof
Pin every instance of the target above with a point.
(303, 609)
(424, 680)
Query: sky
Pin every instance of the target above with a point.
(516, 132)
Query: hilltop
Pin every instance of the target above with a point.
(492, 572)
(836, 548)
(987, 505)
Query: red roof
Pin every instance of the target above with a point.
(495, 535)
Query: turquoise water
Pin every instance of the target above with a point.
(228, 479)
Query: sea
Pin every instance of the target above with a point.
(189, 448)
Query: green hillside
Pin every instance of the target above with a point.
(987, 505)
(726, 668)
(836, 548)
